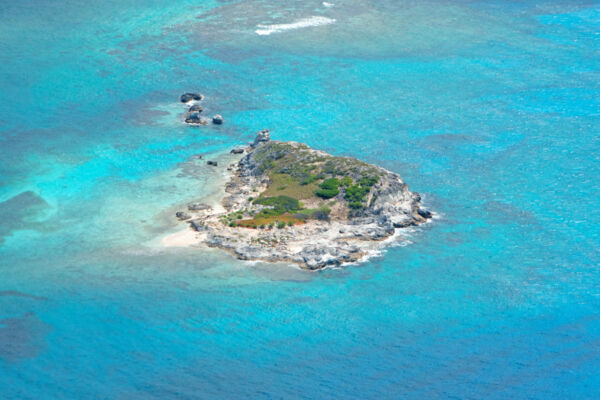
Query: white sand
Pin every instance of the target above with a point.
(184, 238)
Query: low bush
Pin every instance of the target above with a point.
(331, 183)
(355, 205)
(356, 193)
(321, 214)
(329, 188)
(327, 193)
(368, 181)
(346, 181)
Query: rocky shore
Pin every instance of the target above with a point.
(288, 202)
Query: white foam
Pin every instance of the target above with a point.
(328, 5)
(302, 23)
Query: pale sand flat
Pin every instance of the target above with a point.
(184, 238)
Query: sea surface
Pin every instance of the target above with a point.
(489, 109)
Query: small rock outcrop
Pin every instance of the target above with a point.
(195, 108)
(198, 207)
(261, 137)
(194, 118)
(217, 119)
(182, 215)
(212, 163)
(187, 97)
(237, 151)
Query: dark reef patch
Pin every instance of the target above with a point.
(20, 212)
(22, 337)
(15, 293)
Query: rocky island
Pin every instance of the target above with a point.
(288, 202)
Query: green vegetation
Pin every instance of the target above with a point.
(329, 188)
(280, 204)
(286, 185)
(296, 174)
(355, 194)
(315, 213)
(281, 225)
(368, 181)
(346, 181)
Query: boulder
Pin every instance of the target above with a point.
(182, 215)
(402, 221)
(194, 118)
(197, 224)
(425, 213)
(213, 163)
(261, 137)
(198, 207)
(195, 108)
(237, 151)
(187, 97)
(217, 119)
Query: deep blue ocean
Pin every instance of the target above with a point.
(489, 109)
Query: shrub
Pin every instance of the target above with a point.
(330, 184)
(250, 198)
(239, 216)
(291, 223)
(262, 226)
(368, 181)
(232, 224)
(321, 214)
(346, 181)
(281, 225)
(356, 193)
(355, 205)
(329, 188)
(327, 193)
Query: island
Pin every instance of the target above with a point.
(286, 202)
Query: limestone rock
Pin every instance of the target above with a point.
(187, 97)
(261, 137)
(217, 119)
(181, 215)
(198, 207)
(195, 108)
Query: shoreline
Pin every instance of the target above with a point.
(354, 219)
(188, 237)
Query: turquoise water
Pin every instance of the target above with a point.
(490, 109)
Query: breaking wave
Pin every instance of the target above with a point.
(302, 23)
